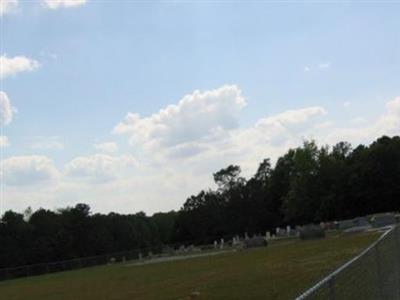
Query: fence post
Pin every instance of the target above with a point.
(332, 291)
(397, 254)
(379, 271)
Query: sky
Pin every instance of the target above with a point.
(132, 105)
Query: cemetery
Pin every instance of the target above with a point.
(218, 272)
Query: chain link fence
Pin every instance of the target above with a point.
(139, 254)
(66, 265)
(372, 275)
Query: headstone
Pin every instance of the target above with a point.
(246, 236)
(222, 244)
(140, 255)
(215, 244)
(278, 231)
(268, 235)
(288, 230)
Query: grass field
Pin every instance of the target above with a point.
(280, 271)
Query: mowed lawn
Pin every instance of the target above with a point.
(280, 271)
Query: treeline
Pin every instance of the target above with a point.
(47, 236)
(307, 184)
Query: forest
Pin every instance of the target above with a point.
(308, 184)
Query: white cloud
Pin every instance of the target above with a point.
(4, 141)
(183, 144)
(277, 130)
(7, 6)
(320, 66)
(109, 147)
(386, 124)
(6, 110)
(200, 116)
(100, 167)
(346, 104)
(56, 4)
(28, 170)
(324, 124)
(47, 143)
(14, 65)
(205, 126)
(291, 117)
(324, 65)
(358, 120)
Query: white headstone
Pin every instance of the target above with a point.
(288, 230)
(222, 244)
(268, 235)
(215, 244)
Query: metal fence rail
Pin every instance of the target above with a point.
(84, 262)
(372, 275)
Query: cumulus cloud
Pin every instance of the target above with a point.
(47, 143)
(108, 147)
(291, 118)
(27, 170)
(206, 125)
(199, 116)
(321, 66)
(4, 141)
(7, 6)
(277, 130)
(10, 66)
(181, 145)
(358, 120)
(324, 65)
(346, 104)
(56, 4)
(6, 110)
(386, 124)
(99, 167)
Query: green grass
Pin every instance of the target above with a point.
(280, 271)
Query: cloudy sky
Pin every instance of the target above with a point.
(132, 105)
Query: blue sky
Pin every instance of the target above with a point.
(269, 74)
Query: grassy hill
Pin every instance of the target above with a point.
(280, 271)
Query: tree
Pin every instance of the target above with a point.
(228, 178)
